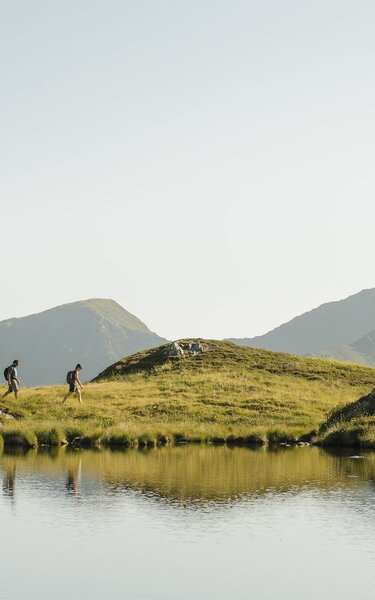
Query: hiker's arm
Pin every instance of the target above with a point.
(79, 382)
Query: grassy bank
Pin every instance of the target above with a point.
(227, 394)
(351, 425)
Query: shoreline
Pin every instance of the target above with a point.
(19, 438)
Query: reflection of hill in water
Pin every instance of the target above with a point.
(189, 474)
(222, 474)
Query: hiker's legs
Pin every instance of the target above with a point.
(66, 396)
(78, 392)
(14, 388)
(9, 391)
(71, 390)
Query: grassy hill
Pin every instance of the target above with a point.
(225, 393)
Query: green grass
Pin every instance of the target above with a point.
(358, 432)
(19, 435)
(49, 435)
(351, 425)
(229, 393)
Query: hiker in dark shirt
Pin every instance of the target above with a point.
(74, 384)
(12, 380)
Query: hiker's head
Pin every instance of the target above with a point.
(78, 367)
(16, 363)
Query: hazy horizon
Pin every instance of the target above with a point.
(207, 165)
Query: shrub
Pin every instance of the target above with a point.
(162, 439)
(197, 439)
(179, 438)
(217, 440)
(145, 440)
(281, 436)
(50, 436)
(17, 436)
(251, 439)
(92, 438)
(343, 437)
(117, 438)
(74, 433)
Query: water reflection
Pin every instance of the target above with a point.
(190, 475)
(197, 522)
(9, 480)
(73, 479)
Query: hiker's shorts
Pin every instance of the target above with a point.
(73, 387)
(13, 386)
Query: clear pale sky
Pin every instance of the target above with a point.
(208, 164)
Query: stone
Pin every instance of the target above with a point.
(177, 349)
(195, 347)
(174, 349)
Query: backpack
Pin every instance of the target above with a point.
(6, 371)
(70, 377)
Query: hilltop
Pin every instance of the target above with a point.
(331, 325)
(196, 390)
(93, 332)
(219, 357)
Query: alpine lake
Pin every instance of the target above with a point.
(187, 522)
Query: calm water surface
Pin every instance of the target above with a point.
(188, 523)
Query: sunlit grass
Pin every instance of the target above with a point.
(228, 393)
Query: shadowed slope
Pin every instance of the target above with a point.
(329, 325)
(362, 351)
(94, 332)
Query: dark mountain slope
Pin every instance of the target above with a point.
(362, 351)
(329, 325)
(94, 332)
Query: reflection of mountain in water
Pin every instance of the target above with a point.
(187, 475)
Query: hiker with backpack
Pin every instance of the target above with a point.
(10, 374)
(73, 381)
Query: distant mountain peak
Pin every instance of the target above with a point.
(95, 331)
(331, 324)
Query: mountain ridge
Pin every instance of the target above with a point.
(329, 325)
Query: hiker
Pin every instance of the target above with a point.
(73, 381)
(10, 374)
